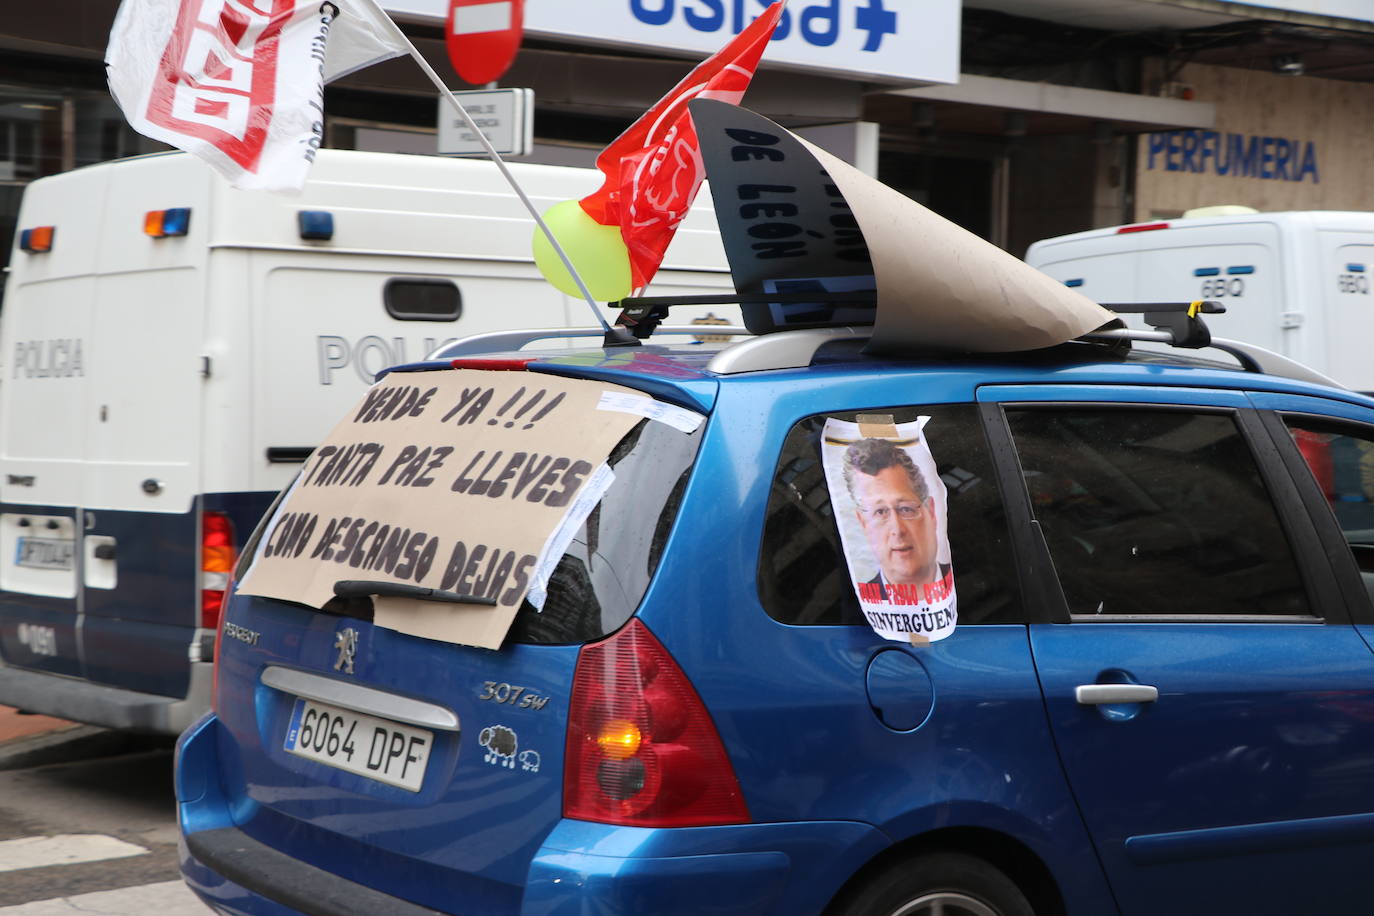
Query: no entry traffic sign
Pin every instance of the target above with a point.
(483, 37)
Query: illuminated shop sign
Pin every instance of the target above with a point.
(1235, 155)
(880, 40)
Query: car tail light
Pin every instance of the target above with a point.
(642, 749)
(216, 563)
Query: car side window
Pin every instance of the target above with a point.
(1155, 512)
(1341, 458)
(803, 578)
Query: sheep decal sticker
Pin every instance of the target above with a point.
(501, 744)
(529, 761)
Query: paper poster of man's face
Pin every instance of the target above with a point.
(889, 505)
(893, 506)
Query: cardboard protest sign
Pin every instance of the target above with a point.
(460, 481)
(793, 216)
(790, 229)
(890, 506)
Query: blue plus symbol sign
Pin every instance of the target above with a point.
(876, 21)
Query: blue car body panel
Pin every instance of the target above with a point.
(846, 746)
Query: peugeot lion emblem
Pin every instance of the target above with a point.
(346, 641)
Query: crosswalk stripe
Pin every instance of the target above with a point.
(167, 898)
(63, 849)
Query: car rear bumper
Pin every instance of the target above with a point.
(225, 865)
(581, 869)
(109, 707)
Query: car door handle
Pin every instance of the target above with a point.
(1099, 694)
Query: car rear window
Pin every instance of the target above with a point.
(605, 571)
(598, 583)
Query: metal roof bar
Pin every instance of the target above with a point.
(1252, 358)
(503, 341)
(796, 349)
(780, 350)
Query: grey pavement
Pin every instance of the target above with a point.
(167, 898)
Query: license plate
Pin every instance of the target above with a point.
(45, 553)
(376, 748)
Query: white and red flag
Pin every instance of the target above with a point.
(654, 169)
(240, 83)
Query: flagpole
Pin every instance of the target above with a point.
(496, 158)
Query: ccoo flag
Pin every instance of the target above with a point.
(654, 169)
(240, 83)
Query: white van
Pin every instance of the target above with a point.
(173, 349)
(1295, 283)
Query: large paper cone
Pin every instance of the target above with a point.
(786, 211)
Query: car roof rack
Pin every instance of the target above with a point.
(1252, 357)
(501, 341)
(1180, 324)
(1177, 325)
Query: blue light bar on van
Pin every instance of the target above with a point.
(1354, 268)
(1243, 269)
(37, 239)
(1206, 271)
(316, 224)
(162, 223)
(1077, 281)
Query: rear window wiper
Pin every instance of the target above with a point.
(362, 588)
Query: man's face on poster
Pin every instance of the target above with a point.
(900, 525)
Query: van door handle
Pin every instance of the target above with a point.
(1100, 694)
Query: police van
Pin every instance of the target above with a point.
(1297, 283)
(174, 349)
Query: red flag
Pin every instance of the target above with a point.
(654, 169)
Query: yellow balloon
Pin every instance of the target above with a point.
(597, 251)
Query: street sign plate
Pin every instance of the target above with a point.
(505, 116)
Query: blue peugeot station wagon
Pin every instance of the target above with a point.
(1158, 697)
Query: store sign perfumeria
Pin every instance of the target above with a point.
(880, 40)
(1235, 155)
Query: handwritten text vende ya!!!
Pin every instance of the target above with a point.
(408, 401)
(456, 481)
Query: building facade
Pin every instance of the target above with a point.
(1017, 119)
(1279, 143)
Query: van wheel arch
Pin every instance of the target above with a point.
(1003, 853)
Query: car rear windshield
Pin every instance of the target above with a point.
(604, 573)
(599, 581)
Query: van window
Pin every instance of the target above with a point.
(1155, 512)
(803, 577)
(422, 300)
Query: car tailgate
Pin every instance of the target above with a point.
(446, 760)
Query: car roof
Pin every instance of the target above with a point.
(690, 373)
